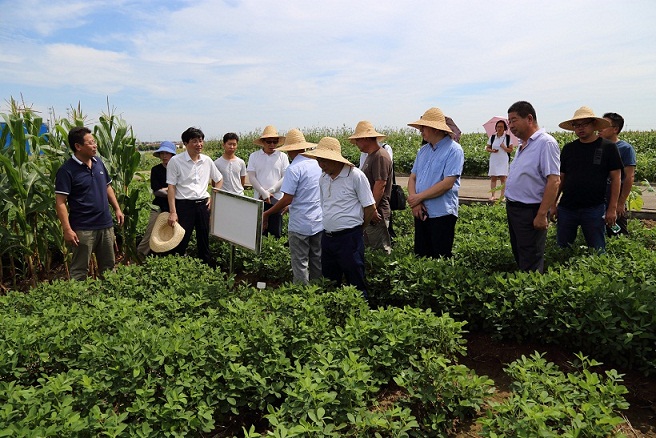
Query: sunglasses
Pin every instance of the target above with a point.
(581, 124)
(271, 141)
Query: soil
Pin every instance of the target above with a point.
(488, 357)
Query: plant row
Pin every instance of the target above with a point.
(170, 348)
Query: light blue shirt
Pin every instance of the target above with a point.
(302, 182)
(432, 165)
(530, 168)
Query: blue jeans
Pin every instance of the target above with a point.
(591, 220)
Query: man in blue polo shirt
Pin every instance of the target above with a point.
(84, 184)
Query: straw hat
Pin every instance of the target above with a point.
(295, 141)
(328, 148)
(270, 132)
(365, 129)
(165, 237)
(165, 146)
(433, 118)
(585, 113)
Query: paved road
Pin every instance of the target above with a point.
(477, 190)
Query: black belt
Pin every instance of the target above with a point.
(341, 232)
(521, 204)
(192, 201)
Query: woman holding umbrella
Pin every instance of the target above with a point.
(499, 146)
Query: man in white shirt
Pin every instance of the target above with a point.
(188, 174)
(300, 190)
(347, 204)
(266, 170)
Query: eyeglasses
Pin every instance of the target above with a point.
(271, 141)
(581, 124)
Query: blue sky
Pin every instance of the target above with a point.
(240, 65)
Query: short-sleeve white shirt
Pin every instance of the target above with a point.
(344, 198)
(232, 171)
(191, 178)
(269, 169)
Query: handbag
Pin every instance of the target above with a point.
(397, 197)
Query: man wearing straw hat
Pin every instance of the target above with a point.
(433, 186)
(347, 204)
(586, 165)
(300, 190)
(378, 170)
(188, 174)
(531, 187)
(266, 170)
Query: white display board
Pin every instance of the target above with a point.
(237, 219)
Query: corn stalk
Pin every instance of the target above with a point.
(117, 147)
(26, 192)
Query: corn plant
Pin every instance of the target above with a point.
(26, 192)
(117, 145)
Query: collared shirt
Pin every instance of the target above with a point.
(302, 182)
(86, 193)
(269, 169)
(344, 198)
(530, 168)
(232, 171)
(434, 163)
(191, 178)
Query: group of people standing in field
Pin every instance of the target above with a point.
(585, 185)
(336, 209)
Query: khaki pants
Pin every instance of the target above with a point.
(377, 236)
(99, 242)
(143, 249)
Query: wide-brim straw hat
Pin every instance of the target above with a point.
(269, 132)
(365, 129)
(585, 113)
(433, 118)
(165, 237)
(328, 148)
(295, 141)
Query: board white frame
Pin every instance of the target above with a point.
(237, 219)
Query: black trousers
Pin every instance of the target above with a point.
(274, 227)
(434, 236)
(527, 243)
(194, 215)
(342, 256)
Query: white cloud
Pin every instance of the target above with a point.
(239, 65)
